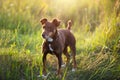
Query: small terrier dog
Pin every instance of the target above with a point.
(56, 41)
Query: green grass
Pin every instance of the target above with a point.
(96, 26)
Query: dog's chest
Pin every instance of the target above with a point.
(54, 48)
(50, 47)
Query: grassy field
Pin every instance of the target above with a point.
(96, 26)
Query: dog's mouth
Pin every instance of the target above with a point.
(49, 39)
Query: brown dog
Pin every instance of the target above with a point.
(56, 42)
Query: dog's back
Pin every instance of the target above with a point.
(66, 37)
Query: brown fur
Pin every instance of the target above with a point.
(59, 40)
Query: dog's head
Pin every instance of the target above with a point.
(49, 29)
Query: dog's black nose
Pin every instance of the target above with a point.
(43, 35)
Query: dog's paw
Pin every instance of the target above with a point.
(63, 65)
(45, 76)
(73, 69)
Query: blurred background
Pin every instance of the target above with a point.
(96, 26)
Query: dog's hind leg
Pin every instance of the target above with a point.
(73, 50)
(66, 54)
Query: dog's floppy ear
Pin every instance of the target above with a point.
(56, 22)
(43, 21)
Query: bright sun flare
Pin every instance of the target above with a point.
(66, 2)
(63, 5)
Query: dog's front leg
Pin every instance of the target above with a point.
(59, 63)
(44, 63)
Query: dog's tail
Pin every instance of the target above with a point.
(69, 24)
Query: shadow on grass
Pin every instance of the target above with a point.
(19, 69)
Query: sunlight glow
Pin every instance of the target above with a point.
(66, 2)
(62, 6)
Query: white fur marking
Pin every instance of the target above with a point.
(63, 65)
(50, 39)
(45, 76)
(50, 47)
(73, 70)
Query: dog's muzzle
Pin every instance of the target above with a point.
(49, 39)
